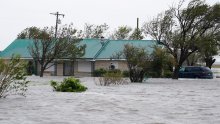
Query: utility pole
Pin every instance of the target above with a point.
(138, 32)
(57, 14)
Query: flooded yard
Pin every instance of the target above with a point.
(156, 101)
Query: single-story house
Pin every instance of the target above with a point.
(98, 54)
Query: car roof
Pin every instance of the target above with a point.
(194, 66)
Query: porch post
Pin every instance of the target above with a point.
(72, 68)
(35, 66)
(64, 64)
(55, 68)
(92, 66)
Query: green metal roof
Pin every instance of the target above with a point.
(19, 46)
(94, 49)
(115, 46)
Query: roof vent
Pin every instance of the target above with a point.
(102, 40)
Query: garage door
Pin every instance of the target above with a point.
(84, 66)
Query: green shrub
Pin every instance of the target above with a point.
(113, 77)
(114, 71)
(13, 77)
(99, 72)
(152, 74)
(125, 73)
(68, 85)
(168, 74)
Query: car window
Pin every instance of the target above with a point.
(196, 69)
(182, 69)
(188, 69)
(206, 69)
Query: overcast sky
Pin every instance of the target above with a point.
(17, 15)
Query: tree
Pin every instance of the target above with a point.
(28, 33)
(181, 30)
(95, 31)
(193, 59)
(161, 61)
(45, 48)
(12, 77)
(137, 34)
(207, 50)
(122, 33)
(211, 39)
(138, 61)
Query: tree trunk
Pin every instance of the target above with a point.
(209, 62)
(41, 71)
(136, 76)
(179, 63)
(176, 72)
(162, 72)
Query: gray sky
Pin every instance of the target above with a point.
(17, 15)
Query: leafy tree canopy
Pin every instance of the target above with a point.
(182, 30)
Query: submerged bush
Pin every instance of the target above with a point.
(125, 73)
(168, 74)
(68, 85)
(99, 72)
(114, 77)
(12, 77)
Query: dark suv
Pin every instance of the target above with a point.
(195, 72)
